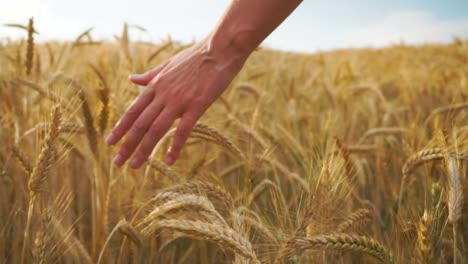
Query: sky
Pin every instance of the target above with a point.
(314, 26)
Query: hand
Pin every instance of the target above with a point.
(184, 87)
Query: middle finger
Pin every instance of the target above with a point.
(137, 131)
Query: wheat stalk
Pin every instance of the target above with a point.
(443, 109)
(82, 35)
(420, 158)
(455, 200)
(43, 238)
(259, 226)
(127, 230)
(159, 50)
(49, 94)
(248, 88)
(259, 189)
(38, 66)
(285, 171)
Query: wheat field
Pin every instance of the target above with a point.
(349, 156)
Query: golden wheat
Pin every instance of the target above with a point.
(298, 144)
(223, 236)
(349, 242)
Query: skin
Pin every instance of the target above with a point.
(186, 85)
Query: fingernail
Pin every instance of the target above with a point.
(135, 163)
(118, 160)
(110, 139)
(169, 160)
(135, 76)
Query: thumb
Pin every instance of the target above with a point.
(145, 78)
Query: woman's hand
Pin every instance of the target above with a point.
(186, 85)
(183, 87)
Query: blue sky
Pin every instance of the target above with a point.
(315, 25)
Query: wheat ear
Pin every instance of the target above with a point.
(346, 157)
(224, 236)
(217, 195)
(40, 171)
(163, 169)
(211, 134)
(30, 47)
(414, 161)
(127, 230)
(23, 160)
(91, 132)
(186, 202)
(341, 241)
(425, 247)
(357, 216)
(131, 233)
(382, 131)
(455, 200)
(104, 93)
(47, 154)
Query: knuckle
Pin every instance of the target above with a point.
(176, 147)
(139, 125)
(183, 132)
(173, 105)
(117, 131)
(175, 152)
(155, 81)
(191, 116)
(154, 130)
(198, 100)
(132, 110)
(154, 87)
(129, 144)
(125, 150)
(121, 124)
(145, 151)
(185, 98)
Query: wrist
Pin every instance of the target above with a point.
(235, 45)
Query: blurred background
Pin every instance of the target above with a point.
(315, 26)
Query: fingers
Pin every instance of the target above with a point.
(145, 78)
(132, 113)
(182, 133)
(137, 131)
(157, 130)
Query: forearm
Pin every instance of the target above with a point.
(246, 23)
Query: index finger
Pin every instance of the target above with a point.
(132, 113)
